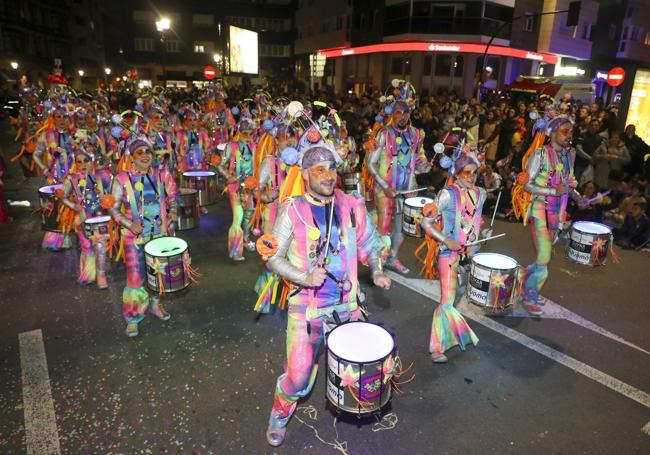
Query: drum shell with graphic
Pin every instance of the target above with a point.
(49, 207)
(205, 182)
(584, 234)
(492, 282)
(97, 226)
(173, 275)
(412, 215)
(188, 209)
(373, 386)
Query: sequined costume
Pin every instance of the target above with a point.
(547, 168)
(192, 149)
(56, 146)
(82, 194)
(394, 164)
(238, 163)
(459, 213)
(146, 199)
(301, 231)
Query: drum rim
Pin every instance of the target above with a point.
(392, 336)
(144, 248)
(104, 218)
(58, 186)
(577, 228)
(199, 174)
(428, 201)
(498, 254)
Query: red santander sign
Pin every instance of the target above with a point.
(616, 76)
(210, 72)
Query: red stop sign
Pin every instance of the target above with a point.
(210, 72)
(616, 76)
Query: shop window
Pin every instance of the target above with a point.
(427, 65)
(443, 65)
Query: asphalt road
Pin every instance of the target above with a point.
(203, 381)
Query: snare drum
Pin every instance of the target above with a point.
(188, 213)
(205, 183)
(493, 281)
(166, 260)
(352, 183)
(97, 226)
(589, 243)
(412, 215)
(360, 365)
(49, 207)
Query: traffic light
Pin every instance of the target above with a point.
(573, 14)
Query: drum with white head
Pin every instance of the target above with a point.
(493, 281)
(205, 182)
(589, 243)
(361, 360)
(167, 260)
(412, 215)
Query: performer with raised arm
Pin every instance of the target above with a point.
(454, 220)
(398, 157)
(316, 242)
(148, 196)
(549, 179)
(237, 167)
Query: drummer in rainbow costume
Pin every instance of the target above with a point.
(82, 193)
(316, 242)
(453, 220)
(218, 119)
(399, 156)
(549, 180)
(161, 139)
(237, 167)
(148, 196)
(192, 143)
(55, 144)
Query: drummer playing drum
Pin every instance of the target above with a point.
(148, 196)
(318, 238)
(458, 206)
(81, 193)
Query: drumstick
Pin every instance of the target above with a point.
(598, 196)
(476, 242)
(410, 191)
(496, 206)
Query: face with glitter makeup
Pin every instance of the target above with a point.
(321, 179)
(157, 121)
(466, 178)
(83, 163)
(563, 135)
(141, 159)
(401, 118)
(60, 121)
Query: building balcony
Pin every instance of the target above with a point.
(446, 26)
(633, 50)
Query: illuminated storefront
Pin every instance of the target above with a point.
(430, 65)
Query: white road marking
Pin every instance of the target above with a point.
(431, 289)
(40, 421)
(552, 310)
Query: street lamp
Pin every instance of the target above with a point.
(107, 71)
(81, 73)
(162, 25)
(14, 65)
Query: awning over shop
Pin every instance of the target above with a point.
(439, 47)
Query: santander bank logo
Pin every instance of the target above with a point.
(444, 47)
(533, 56)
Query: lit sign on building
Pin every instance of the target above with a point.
(638, 113)
(428, 46)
